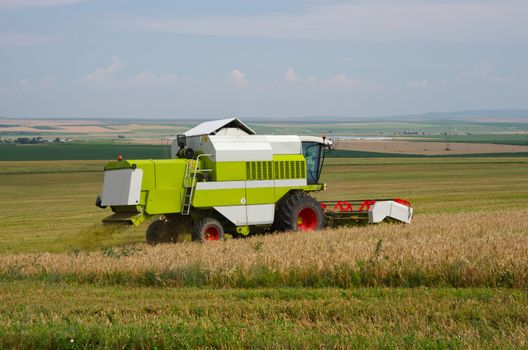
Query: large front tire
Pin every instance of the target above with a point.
(299, 212)
(207, 229)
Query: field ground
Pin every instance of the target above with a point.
(428, 147)
(464, 256)
(71, 316)
(520, 138)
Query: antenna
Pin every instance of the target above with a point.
(448, 144)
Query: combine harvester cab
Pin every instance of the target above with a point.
(226, 179)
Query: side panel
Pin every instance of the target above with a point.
(260, 192)
(236, 214)
(165, 195)
(164, 201)
(260, 214)
(229, 171)
(256, 214)
(284, 186)
(212, 194)
(122, 187)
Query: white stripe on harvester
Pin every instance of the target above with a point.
(226, 185)
(220, 185)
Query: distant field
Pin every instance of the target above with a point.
(520, 138)
(427, 148)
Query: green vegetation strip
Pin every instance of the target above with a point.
(66, 316)
(87, 151)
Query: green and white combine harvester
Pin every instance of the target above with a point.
(225, 178)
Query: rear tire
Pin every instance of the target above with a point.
(162, 231)
(208, 229)
(299, 212)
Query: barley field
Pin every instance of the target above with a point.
(446, 250)
(457, 277)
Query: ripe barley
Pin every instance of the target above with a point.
(467, 249)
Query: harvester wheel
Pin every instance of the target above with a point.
(207, 229)
(162, 231)
(183, 224)
(299, 212)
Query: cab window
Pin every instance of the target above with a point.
(313, 152)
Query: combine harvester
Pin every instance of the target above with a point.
(224, 178)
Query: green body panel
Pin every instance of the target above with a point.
(215, 198)
(229, 171)
(167, 195)
(164, 201)
(264, 195)
(280, 192)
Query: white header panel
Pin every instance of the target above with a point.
(122, 187)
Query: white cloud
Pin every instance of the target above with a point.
(145, 79)
(148, 79)
(383, 20)
(483, 71)
(36, 3)
(290, 75)
(340, 81)
(426, 83)
(337, 81)
(238, 77)
(25, 85)
(12, 39)
(105, 72)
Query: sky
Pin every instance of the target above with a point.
(260, 58)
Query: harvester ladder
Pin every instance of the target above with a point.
(189, 182)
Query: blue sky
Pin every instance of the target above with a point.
(260, 58)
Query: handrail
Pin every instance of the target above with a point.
(187, 198)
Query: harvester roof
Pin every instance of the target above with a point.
(229, 126)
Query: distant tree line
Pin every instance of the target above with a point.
(33, 140)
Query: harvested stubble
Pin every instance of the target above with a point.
(459, 250)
